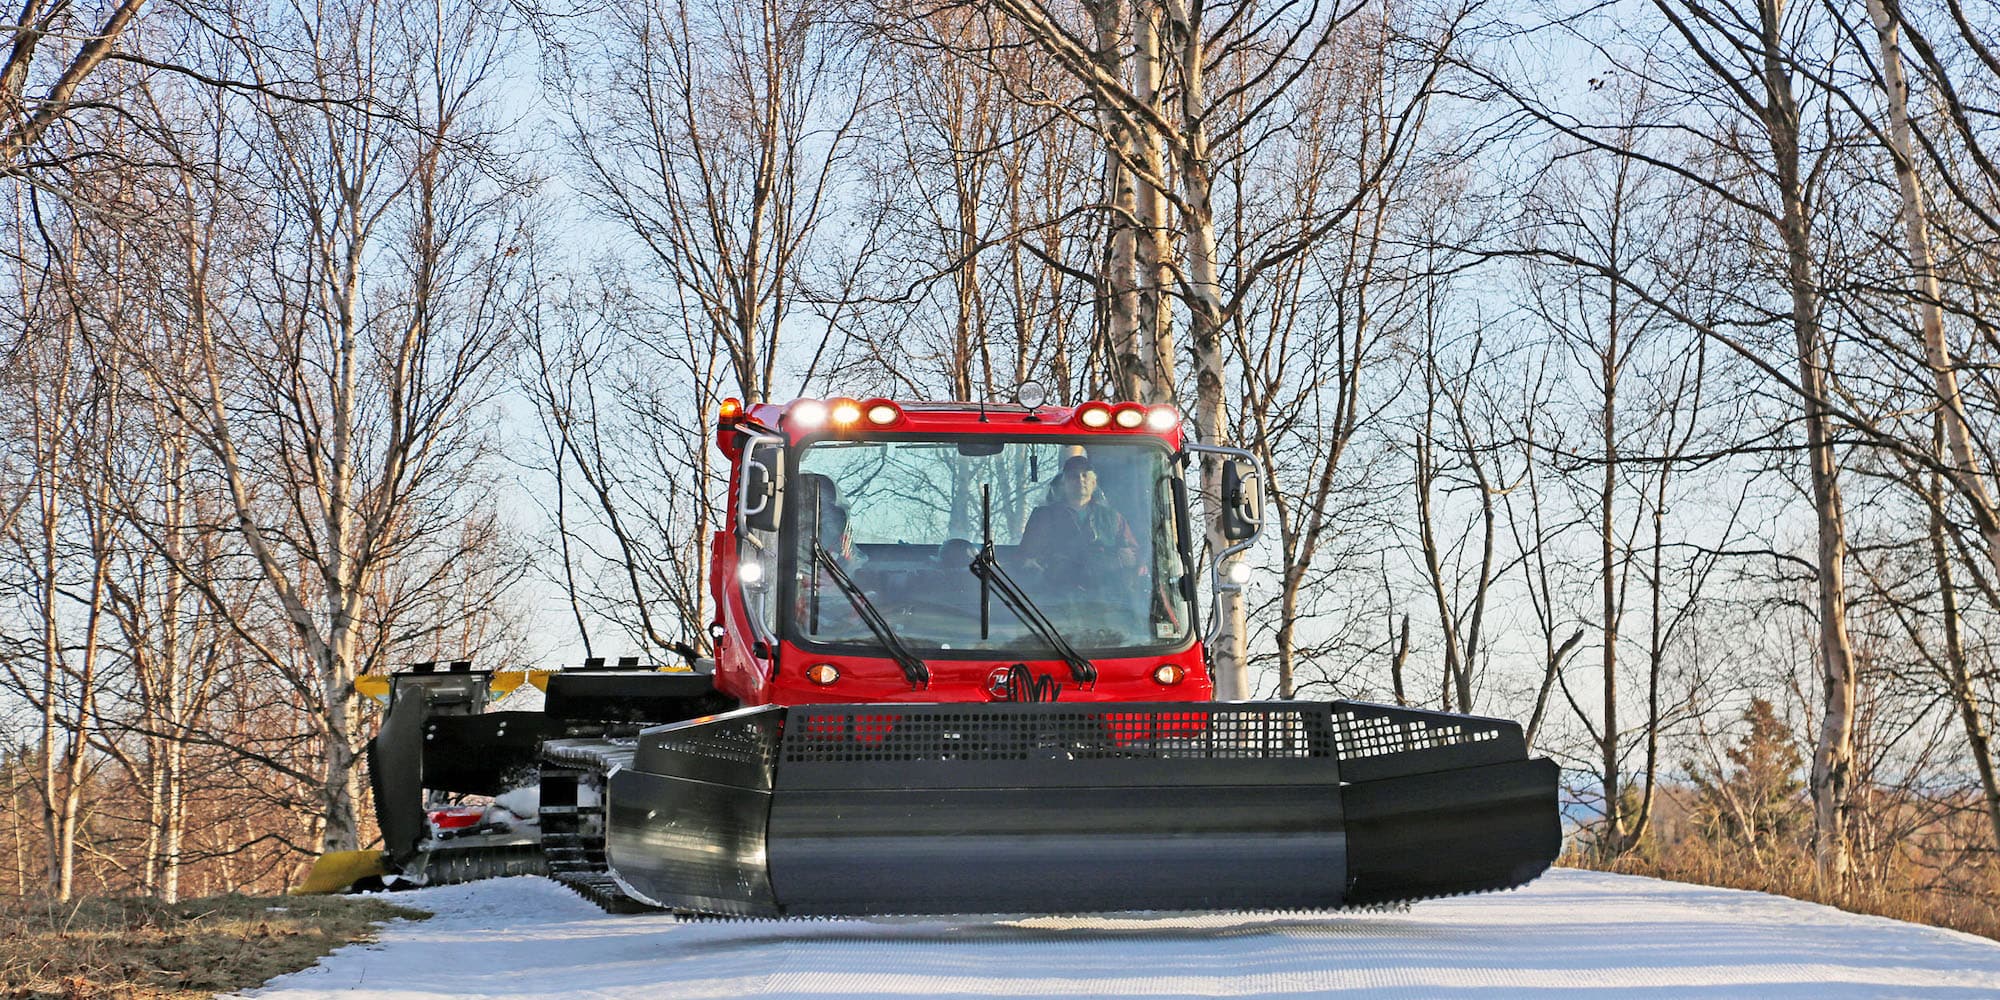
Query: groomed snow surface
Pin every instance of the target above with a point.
(1570, 934)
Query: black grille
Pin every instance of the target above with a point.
(736, 748)
(1379, 741)
(1362, 734)
(738, 742)
(833, 733)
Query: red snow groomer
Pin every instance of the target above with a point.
(958, 669)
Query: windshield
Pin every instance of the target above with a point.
(1086, 528)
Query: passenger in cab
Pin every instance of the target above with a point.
(816, 490)
(1077, 531)
(818, 606)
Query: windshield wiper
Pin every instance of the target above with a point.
(871, 616)
(990, 573)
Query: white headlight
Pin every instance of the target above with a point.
(1239, 574)
(1161, 419)
(807, 413)
(750, 572)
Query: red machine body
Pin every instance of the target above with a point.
(958, 669)
(760, 672)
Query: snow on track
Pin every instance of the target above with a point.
(1571, 934)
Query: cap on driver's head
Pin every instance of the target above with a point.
(1078, 464)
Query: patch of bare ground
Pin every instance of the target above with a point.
(124, 948)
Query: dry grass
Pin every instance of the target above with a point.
(115, 948)
(1969, 904)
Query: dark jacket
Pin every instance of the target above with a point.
(1064, 538)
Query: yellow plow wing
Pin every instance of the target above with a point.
(338, 871)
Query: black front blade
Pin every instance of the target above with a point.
(1005, 808)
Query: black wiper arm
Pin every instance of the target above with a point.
(871, 616)
(988, 570)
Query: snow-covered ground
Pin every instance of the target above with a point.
(1571, 934)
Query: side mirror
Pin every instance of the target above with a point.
(759, 504)
(1242, 508)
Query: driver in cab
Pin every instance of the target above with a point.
(1077, 532)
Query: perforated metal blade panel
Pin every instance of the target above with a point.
(1006, 745)
(1387, 741)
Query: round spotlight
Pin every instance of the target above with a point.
(884, 412)
(1239, 574)
(1129, 416)
(1095, 416)
(751, 573)
(807, 413)
(844, 412)
(1161, 419)
(1031, 394)
(1169, 674)
(822, 673)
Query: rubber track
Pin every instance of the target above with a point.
(451, 867)
(576, 859)
(603, 891)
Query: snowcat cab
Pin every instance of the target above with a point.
(957, 668)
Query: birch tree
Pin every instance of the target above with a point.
(1259, 58)
(335, 389)
(1751, 77)
(712, 138)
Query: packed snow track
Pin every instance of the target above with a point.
(1570, 934)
